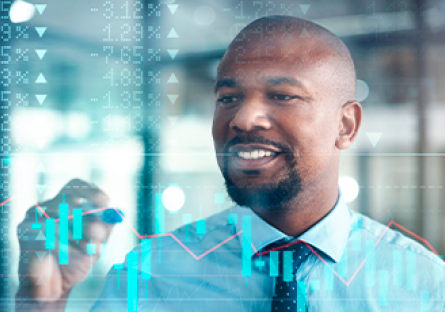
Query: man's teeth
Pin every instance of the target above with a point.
(255, 154)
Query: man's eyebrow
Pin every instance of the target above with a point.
(280, 80)
(226, 82)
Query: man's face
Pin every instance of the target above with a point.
(275, 121)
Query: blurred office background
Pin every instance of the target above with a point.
(119, 93)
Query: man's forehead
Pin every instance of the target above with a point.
(272, 80)
(294, 70)
(297, 55)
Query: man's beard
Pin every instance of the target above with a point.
(267, 195)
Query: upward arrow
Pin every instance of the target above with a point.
(172, 79)
(172, 34)
(40, 236)
(304, 33)
(40, 79)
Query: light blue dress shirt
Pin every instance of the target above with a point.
(357, 265)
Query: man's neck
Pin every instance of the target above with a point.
(300, 214)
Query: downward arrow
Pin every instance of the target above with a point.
(173, 98)
(374, 137)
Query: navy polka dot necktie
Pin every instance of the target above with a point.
(288, 295)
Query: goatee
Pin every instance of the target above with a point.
(266, 195)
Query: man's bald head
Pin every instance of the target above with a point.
(304, 41)
(284, 109)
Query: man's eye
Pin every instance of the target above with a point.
(282, 97)
(228, 99)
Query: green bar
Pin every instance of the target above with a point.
(201, 227)
(274, 263)
(63, 233)
(287, 266)
(91, 249)
(77, 223)
(233, 218)
(301, 296)
(49, 234)
(132, 279)
(146, 259)
(247, 242)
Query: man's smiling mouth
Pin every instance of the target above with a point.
(253, 156)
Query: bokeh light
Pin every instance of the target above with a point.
(349, 188)
(173, 198)
(21, 11)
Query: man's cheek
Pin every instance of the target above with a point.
(222, 162)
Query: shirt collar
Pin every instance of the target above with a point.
(329, 235)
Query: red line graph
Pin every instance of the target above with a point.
(347, 283)
(198, 257)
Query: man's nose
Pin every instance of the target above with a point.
(251, 115)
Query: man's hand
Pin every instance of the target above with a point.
(58, 280)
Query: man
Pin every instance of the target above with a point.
(284, 109)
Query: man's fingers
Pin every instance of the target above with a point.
(42, 277)
(49, 280)
(40, 270)
(45, 276)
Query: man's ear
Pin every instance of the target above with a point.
(350, 120)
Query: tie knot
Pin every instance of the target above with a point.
(298, 247)
(294, 255)
(286, 257)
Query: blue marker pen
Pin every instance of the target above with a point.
(110, 216)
